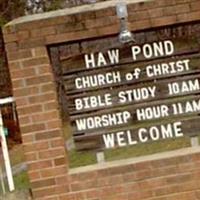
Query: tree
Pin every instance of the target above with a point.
(39, 6)
(10, 9)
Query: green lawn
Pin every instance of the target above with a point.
(21, 182)
(78, 159)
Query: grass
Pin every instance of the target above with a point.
(17, 155)
(78, 159)
(147, 149)
(21, 182)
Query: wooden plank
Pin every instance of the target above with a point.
(77, 63)
(136, 106)
(162, 92)
(69, 80)
(166, 109)
(189, 127)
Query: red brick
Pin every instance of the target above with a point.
(140, 15)
(45, 116)
(65, 37)
(101, 22)
(57, 142)
(31, 157)
(37, 33)
(54, 124)
(39, 80)
(142, 24)
(32, 128)
(44, 69)
(32, 147)
(60, 161)
(49, 191)
(35, 62)
(43, 183)
(30, 109)
(92, 194)
(40, 52)
(47, 97)
(21, 101)
(145, 5)
(18, 83)
(24, 92)
(15, 65)
(40, 165)
(56, 171)
(195, 6)
(164, 3)
(50, 106)
(23, 73)
(58, 152)
(28, 138)
(21, 54)
(62, 180)
(107, 12)
(170, 10)
(155, 12)
(76, 187)
(12, 46)
(8, 30)
(103, 31)
(46, 135)
(67, 197)
(69, 27)
(164, 21)
(32, 43)
(10, 37)
(47, 87)
(22, 35)
(188, 16)
(182, 8)
(54, 197)
(34, 175)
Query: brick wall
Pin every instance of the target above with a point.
(166, 179)
(26, 42)
(5, 82)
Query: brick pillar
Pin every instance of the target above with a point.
(39, 117)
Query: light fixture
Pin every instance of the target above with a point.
(125, 36)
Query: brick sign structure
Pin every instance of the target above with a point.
(29, 43)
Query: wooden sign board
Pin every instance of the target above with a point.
(133, 94)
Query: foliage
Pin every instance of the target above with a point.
(10, 9)
(54, 4)
(22, 181)
(78, 159)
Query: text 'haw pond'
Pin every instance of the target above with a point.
(149, 94)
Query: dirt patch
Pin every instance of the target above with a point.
(18, 195)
